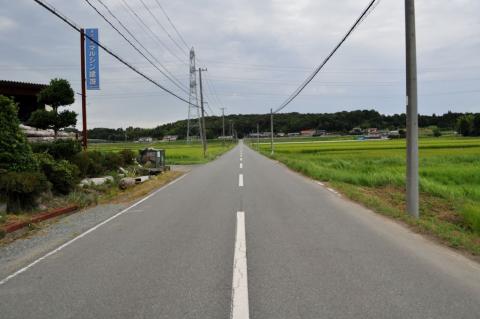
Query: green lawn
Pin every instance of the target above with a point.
(373, 172)
(178, 152)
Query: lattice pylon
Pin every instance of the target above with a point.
(193, 124)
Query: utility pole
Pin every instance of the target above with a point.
(84, 91)
(271, 131)
(204, 138)
(258, 136)
(223, 125)
(412, 111)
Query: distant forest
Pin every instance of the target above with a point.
(340, 122)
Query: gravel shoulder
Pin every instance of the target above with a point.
(22, 250)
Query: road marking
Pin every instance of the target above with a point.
(240, 180)
(320, 183)
(241, 165)
(239, 306)
(68, 243)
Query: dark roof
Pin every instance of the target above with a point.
(20, 88)
(5, 83)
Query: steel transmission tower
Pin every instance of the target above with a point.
(193, 110)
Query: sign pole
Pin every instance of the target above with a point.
(84, 93)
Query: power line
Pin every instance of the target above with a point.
(163, 28)
(150, 32)
(173, 25)
(170, 76)
(315, 72)
(133, 45)
(68, 21)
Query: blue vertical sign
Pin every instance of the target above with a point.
(91, 56)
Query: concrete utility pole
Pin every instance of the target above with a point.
(271, 131)
(204, 138)
(412, 111)
(258, 136)
(84, 91)
(223, 125)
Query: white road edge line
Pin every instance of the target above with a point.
(68, 243)
(240, 180)
(241, 165)
(320, 183)
(239, 306)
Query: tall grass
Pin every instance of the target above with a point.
(449, 167)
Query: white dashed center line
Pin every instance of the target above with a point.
(239, 307)
(241, 165)
(240, 180)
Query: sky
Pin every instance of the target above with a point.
(256, 53)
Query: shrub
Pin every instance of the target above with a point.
(61, 174)
(59, 149)
(89, 163)
(15, 153)
(436, 132)
(22, 189)
(128, 156)
(20, 180)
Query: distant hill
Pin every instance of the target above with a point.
(341, 122)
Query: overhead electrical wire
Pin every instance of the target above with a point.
(170, 76)
(164, 29)
(173, 25)
(74, 26)
(367, 11)
(150, 32)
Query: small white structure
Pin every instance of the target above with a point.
(170, 138)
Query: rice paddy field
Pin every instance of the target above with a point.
(177, 153)
(373, 173)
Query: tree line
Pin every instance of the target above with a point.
(339, 122)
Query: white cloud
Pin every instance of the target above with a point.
(256, 52)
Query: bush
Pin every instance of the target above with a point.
(128, 156)
(89, 163)
(94, 164)
(59, 149)
(22, 189)
(436, 132)
(15, 153)
(20, 180)
(63, 175)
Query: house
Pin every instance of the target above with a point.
(25, 95)
(170, 138)
(313, 132)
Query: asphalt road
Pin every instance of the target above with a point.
(236, 238)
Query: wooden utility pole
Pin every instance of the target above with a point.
(84, 91)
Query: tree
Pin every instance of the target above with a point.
(58, 94)
(476, 125)
(465, 125)
(20, 179)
